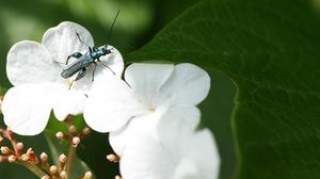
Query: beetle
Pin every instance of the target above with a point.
(92, 56)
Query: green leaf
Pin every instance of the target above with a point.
(270, 49)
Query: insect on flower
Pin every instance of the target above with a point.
(88, 58)
(34, 69)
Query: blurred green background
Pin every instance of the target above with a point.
(138, 22)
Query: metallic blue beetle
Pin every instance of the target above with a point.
(90, 57)
(85, 60)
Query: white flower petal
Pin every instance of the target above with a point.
(146, 80)
(62, 40)
(176, 121)
(27, 108)
(164, 145)
(30, 62)
(186, 169)
(202, 150)
(147, 158)
(139, 126)
(118, 139)
(142, 154)
(194, 156)
(161, 123)
(111, 105)
(68, 102)
(189, 84)
(143, 149)
(177, 132)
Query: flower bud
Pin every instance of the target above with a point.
(12, 158)
(117, 177)
(19, 146)
(62, 158)
(53, 170)
(30, 152)
(86, 131)
(59, 135)
(88, 175)
(63, 174)
(31, 155)
(72, 129)
(24, 157)
(44, 157)
(75, 141)
(5, 150)
(45, 177)
(113, 158)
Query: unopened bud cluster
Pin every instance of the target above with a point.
(73, 135)
(15, 152)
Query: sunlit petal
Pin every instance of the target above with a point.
(111, 104)
(189, 84)
(62, 40)
(30, 62)
(68, 102)
(146, 80)
(26, 108)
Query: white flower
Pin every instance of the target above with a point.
(152, 117)
(147, 89)
(35, 71)
(175, 154)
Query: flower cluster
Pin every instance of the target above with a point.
(151, 114)
(34, 69)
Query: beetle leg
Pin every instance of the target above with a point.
(114, 73)
(75, 55)
(94, 70)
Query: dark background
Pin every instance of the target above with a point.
(138, 22)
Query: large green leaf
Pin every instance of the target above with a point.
(270, 49)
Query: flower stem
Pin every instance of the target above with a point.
(70, 157)
(33, 168)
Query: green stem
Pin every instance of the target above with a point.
(33, 168)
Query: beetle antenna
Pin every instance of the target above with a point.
(112, 25)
